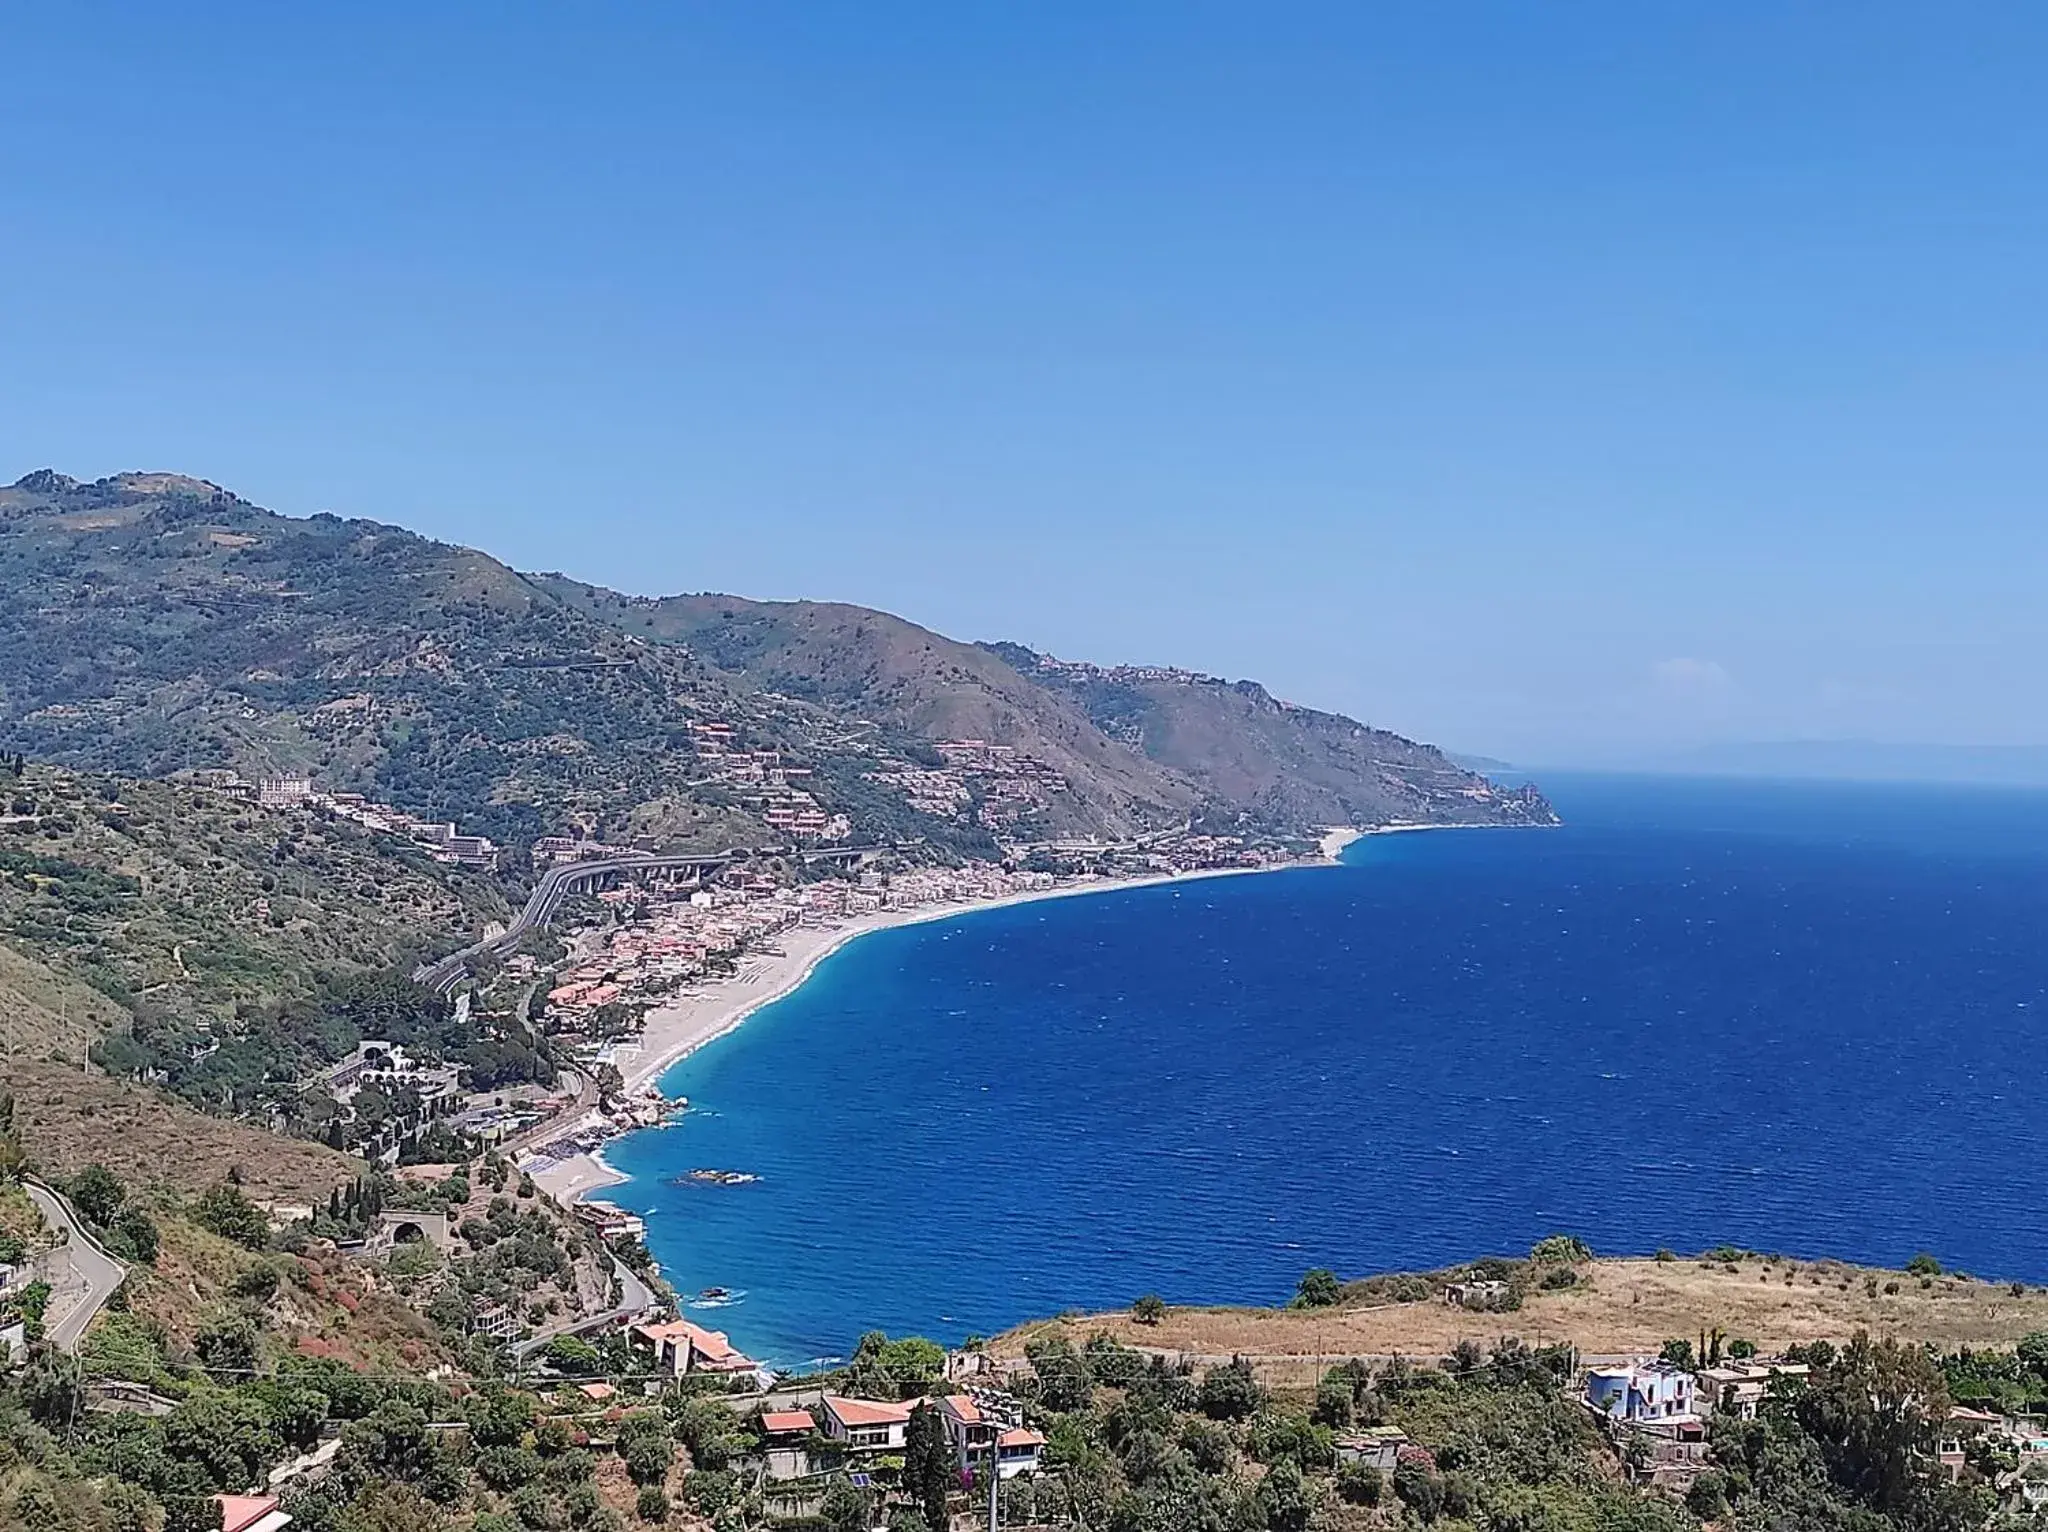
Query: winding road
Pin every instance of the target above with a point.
(635, 1297)
(93, 1273)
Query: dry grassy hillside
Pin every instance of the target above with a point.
(46, 1015)
(1621, 1306)
(69, 1120)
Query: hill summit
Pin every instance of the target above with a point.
(155, 623)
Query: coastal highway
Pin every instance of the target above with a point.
(556, 884)
(559, 881)
(635, 1297)
(81, 1275)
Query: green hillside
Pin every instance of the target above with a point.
(1279, 763)
(1142, 748)
(187, 903)
(151, 623)
(927, 685)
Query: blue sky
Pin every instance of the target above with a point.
(1570, 383)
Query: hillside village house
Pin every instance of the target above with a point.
(611, 1221)
(973, 1422)
(1653, 1403)
(1641, 1391)
(251, 1513)
(680, 1347)
(866, 1425)
(1737, 1388)
(785, 1437)
(1372, 1447)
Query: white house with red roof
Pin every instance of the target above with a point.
(680, 1347)
(785, 1442)
(251, 1513)
(866, 1425)
(973, 1422)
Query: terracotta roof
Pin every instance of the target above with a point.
(865, 1412)
(674, 1329)
(712, 1344)
(963, 1408)
(708, 1346)
(238, 1512)
(776, 1421)
(596, 1390)
(1021, 1437)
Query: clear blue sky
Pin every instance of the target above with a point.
(1556, 381)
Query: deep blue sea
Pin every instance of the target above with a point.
(1801, 1018)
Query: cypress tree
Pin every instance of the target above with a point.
(928, 1465)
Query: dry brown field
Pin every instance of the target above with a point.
(69, 1119)
(1624, 1307)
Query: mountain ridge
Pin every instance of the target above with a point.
(158, 622)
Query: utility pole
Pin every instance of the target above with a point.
(995, 1476)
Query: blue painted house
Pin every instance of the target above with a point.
(1641, 1391)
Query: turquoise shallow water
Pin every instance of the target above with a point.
(1802, 1018)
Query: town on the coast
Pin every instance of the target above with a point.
(356, 891)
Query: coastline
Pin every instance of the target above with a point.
(678, 1028)
(681, 1026)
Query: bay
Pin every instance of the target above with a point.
(1794, 1017)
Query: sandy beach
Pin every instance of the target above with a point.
(683, 1025)
(679, 1027)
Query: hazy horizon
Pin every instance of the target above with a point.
(1588, 386)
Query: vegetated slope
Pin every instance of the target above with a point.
(883, 667)
(150, 622)
(1273, 761)
(1146, 746)
(68, 1120)
(183, 904)
(47, 1014)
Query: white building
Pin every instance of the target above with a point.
(866, 1425)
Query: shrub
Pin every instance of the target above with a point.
(710, 1491)
(1207, 1445)
(97, 1193)
(1149, 1310)
(506, 1468)
(1319, 1289)
(647, 1457)
(1560, 1250)
(257, 1284)
(226, 1212)
(1360, 1483)
(227, 1346)
(1420, 1490)
(1230, 1392)
(1923, 1265)
(1112, 1365)
(134, 1235)
(651, 1504)
(580, 1503)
